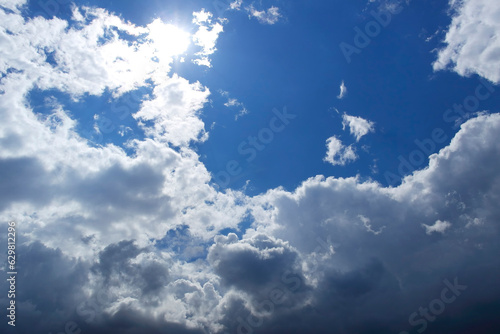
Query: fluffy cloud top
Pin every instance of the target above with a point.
(384, 261)
(91, 57)
(473, 40)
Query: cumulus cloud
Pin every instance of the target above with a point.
(358, 126)
(252, 263)
(397, 270)
(174, 109)
(206, 36)
(201, 17)
(79, 185)
(139, 241)
(472, 40)
(337, 153)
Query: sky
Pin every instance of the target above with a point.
(240, 167)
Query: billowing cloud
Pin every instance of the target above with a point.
(140, 241)
(174, 109)
(473, 40)
(385, 265)
(76, 185)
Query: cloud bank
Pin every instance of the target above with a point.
(138, 242)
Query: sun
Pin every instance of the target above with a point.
(168, 39)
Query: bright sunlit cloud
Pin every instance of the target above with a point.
(205, 37)
(168, 40)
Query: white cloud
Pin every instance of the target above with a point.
(206, 37)
(174, 110)
(91, 57)
(13, 5)
(337, 153)
(343, 91)
(358, 126)
(473, 40)
(236, 5)
(232, 102)
(77, 15)
(82, 193)
(202, 17)
(269, 16)
(94, 220)
(332, 208)
(439, 226)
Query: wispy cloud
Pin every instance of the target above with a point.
(236, 5)
(232, 102)
(439, 226)
(343, 91)
(269, 16)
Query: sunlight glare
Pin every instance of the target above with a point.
(168, 40)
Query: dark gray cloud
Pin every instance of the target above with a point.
(48, 287)
(336, 255)
(23, 179)
(252, 264)
(136, 189)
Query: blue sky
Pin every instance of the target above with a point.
(298, 63)
(263, 67)
(251, 166)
